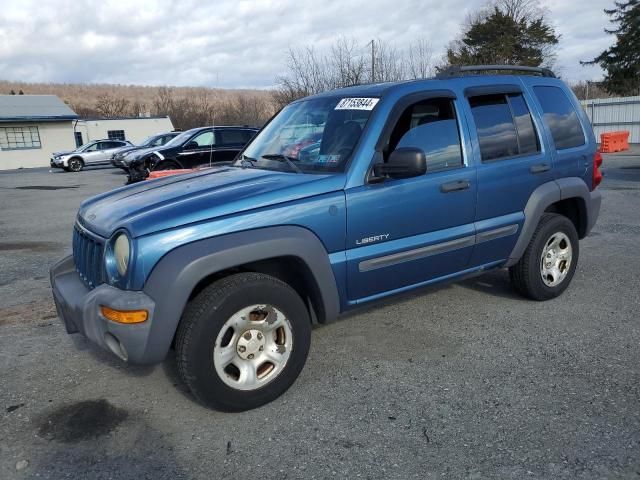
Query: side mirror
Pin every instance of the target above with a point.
(403, 163)
(191, 146)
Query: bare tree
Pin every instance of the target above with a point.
(164, 101)
(420, 60)
(389, 63)
(108, 105)
(349, 63)
(346, 64)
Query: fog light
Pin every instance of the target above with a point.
(124, 316)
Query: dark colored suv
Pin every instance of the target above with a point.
(123, 156)
(194, 148)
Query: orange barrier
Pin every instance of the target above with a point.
(614, 141)
(166, 173)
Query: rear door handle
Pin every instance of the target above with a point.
(455, 186)
(540, 168)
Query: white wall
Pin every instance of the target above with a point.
(54, 136)
(135, 129)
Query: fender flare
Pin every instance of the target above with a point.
(175, 276)
(546, 195)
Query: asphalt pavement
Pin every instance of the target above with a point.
(460, 381)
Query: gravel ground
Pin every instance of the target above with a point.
(465, 380)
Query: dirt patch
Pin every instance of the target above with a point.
(31, 246)
(81, 421)
(46, 187)
(28, 312)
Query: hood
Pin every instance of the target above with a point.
(62, 152)
(129, 149)
(163, 150)
(140, 152)
(177, 200)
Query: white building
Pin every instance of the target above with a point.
(34, 126)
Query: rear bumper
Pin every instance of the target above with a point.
(79, 309)
(593, 209)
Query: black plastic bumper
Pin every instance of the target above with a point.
(79, 309)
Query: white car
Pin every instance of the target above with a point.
(97, 152)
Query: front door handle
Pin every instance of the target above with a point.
(455, 186)
(540, 168)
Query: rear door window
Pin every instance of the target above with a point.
(504, 126)
(527, 137)
(561, 117)
(230, 137)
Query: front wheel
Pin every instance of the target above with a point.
(166, 165)
(75, 165)
(243, 341)
(549, 262)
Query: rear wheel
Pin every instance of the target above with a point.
(243, 341)
(549, 262)
(75, 164)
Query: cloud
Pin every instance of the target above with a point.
(238, 43)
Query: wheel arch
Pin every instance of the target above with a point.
(566, 196)
(168, 161)
(292, 254)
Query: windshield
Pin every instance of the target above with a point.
(180, 139)
(318, 135)
(85, 147)
(148, 141)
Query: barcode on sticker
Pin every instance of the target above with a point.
(357, 104)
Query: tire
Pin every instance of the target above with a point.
(167, 165)
(541, 278)
(75, 164)
(257, 303)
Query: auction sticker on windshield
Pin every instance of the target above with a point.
(357, 104)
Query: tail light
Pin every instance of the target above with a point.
(597, 174)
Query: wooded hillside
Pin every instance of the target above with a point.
(188, 107)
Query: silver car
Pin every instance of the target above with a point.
(97, 152)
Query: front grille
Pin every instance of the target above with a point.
(88, 252)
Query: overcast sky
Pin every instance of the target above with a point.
(232, 43)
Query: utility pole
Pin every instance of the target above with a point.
(373, 60)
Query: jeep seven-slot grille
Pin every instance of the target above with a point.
(87, 256)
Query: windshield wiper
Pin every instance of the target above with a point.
(283, 158)
(247, 162)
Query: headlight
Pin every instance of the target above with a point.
(121, 251)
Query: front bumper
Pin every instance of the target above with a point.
(79, 309)
(56, 163)
(117, 162)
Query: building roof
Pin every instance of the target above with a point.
(101, 119)
(34, 108)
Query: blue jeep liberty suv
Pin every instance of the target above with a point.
(343, 198)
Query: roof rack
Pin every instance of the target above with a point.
(458, 70)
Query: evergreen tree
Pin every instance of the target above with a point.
(500, 36)
(621, 61)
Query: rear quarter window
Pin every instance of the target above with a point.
(560, 116)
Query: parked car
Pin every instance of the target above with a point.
(412, 183)
(192, 148)
(122, 157)
(97, 152)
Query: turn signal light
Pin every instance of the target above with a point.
(124, 316)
